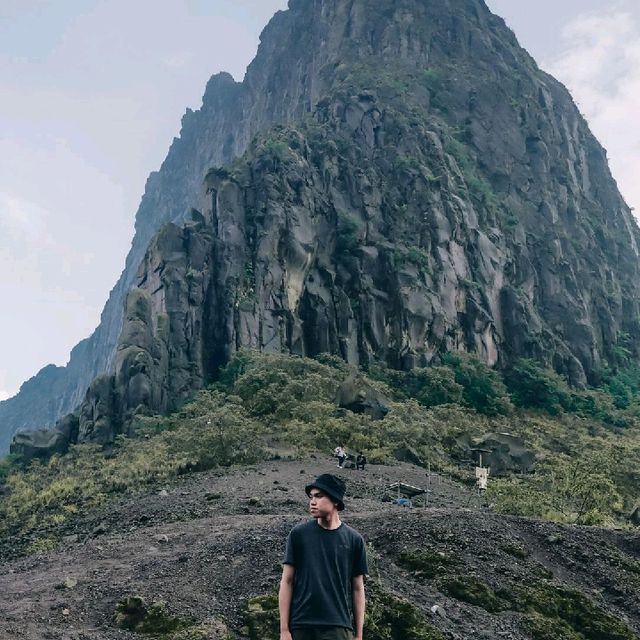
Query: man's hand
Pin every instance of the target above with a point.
(284, 600)
(357, 587)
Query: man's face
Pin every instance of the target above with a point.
(320, 504)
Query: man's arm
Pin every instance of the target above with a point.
(285, 594)
(357, 590)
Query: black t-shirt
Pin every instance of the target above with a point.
(325, 562)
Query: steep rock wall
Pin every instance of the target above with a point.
(459, 183)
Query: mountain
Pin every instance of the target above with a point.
(391, 181)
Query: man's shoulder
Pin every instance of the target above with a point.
(351, 532)
(303, 527)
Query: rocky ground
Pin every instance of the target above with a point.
(212, 541)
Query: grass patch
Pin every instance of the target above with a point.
(387, 618)
(586, 470)
(262, 618)
(426, 565)
(552, 608)
(473, 591)
(391, 618)
(134, 614)
(516, 550)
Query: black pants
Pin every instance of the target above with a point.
(322, 633)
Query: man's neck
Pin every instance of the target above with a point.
(331, 521)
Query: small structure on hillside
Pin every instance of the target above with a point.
(406, 492)
(482, 473)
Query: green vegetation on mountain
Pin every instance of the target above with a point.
(586, 470)
(387, 618)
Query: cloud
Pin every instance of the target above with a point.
(21, 219)
(178, 60)
(600, 64)
(5, 386)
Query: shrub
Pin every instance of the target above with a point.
(530, 385)
(556, 607)
(210, 431)
(388, 617)
(276, 149)
(483, 387)
(434, 386)
(575, 490)
(347, 233)
(274, 384)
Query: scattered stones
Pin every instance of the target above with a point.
(225, 558)
(555, 538)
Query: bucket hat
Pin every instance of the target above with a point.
(331, 485)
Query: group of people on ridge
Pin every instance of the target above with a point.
(341, 453)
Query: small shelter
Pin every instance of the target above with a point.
(407, 491)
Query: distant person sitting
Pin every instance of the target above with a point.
(361, 460)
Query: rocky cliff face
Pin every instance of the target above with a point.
(232, 114)
(431, 189)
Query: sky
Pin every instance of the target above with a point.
(92, 96)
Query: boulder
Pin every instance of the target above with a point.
(356, 395)
(43, 443)
(408, 454)
(99, 414)
(503, 452)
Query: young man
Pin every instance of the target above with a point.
(322, 588)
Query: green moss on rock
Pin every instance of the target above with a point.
(155, 620)
(134, 614)
(542, 628)
(392, 618)
(472, 590)
(515, 549)
(387, 618)
(211, 630)
(262, 619)
(572, 608)
(426, 564)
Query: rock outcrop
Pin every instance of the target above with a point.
(431, 190)
(43, 443)
(356, 395)
(502, 452)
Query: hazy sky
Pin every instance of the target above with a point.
(92, 95)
